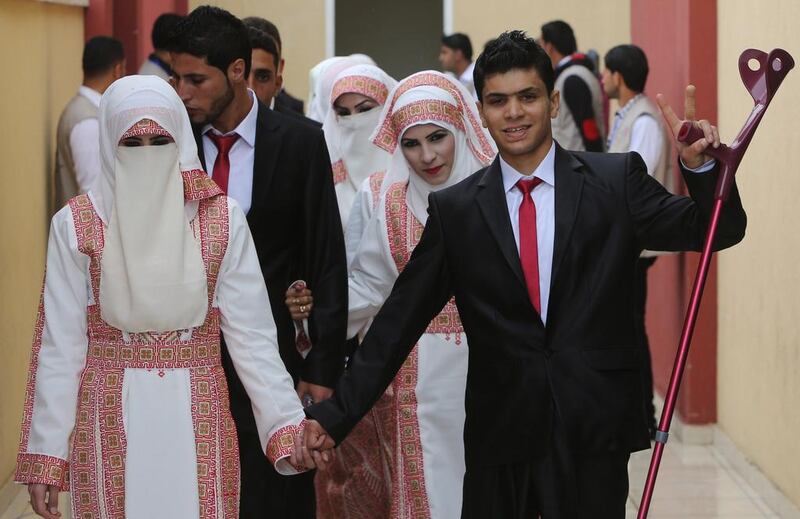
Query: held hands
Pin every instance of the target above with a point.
(313, 448)
(692, 155)
(299, 301)
(44, 500)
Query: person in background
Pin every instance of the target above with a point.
(579, 124)
(265, 79)
(455, 56)
(637, 127)
(157, 63)
(77, 134)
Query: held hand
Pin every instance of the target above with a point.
(693, 155)
(44, 500)
(313, 448)
(299, 301)
(311, 393)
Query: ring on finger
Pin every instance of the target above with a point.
(302, 309)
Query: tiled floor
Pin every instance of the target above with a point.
(695, 482)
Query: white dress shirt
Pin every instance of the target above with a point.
(544, 197)
(241, 156)
(84, 140)
(647, 135)
(467, 79)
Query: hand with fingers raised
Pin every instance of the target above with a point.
(693, 155)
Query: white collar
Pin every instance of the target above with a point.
(565, 59)
(546, 170)
(467, 74)
(247, 127)
(90, 94)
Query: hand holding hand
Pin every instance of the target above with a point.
(693, 155)
(44, 500)
(311, 393)
(299, 301)
(313, 448)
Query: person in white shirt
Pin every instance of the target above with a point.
(637, 127)
(157, 63)
(455, 55)
(77, 141)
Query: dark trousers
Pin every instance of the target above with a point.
(639, 304)
(265, 494)
(562, 484)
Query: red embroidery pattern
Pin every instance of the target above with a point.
(404, 234)
(38, 468)
(98, 451)
(426, 110)
(375, 181)
(215, 439)
(145, 127)
(197, 185)
(339, 172)
(281, 443)
(386, 138)
(363, 85)
(30, 386)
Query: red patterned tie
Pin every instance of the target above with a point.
(222, 164)
(528, 246)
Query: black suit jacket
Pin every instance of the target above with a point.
(285, 102)
(294, 219)
(584, 364)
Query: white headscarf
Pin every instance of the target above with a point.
(152, 272)
(430, 97)
(348, 138)
(321, 79)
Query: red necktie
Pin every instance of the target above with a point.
(528, 246)
(222, 164)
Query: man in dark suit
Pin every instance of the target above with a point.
(539, 251)
(278, 170)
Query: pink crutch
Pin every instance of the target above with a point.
(762, 84)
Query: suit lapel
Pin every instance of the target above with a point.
(201, 154)
(492, 203)
(569, 186)
(268, 141)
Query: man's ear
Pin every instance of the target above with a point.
(555, 103)
(280, 68)
(236, 71)
(278, 83)
(480, 112)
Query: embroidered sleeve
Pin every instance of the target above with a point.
(40, 468)
(280, 447)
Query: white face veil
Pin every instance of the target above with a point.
(430, 97)
(353, 156)
(321, 79)
(152, 272)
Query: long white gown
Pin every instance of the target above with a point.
(137, 425)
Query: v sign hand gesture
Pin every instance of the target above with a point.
(693, 155)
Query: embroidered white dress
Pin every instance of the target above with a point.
(137, 424)
(428, 391)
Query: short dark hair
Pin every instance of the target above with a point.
(214, 34)
(560, 34)
(261, 40)
(512, 50)
(164, 29)
(101, 54)
(266, 26)
(459, 41)
(631, 62)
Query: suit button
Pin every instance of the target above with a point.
(548, 352)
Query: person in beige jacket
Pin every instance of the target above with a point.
(637, 127)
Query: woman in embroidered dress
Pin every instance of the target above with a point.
(432, 128)
(126, 402)
(357, 98)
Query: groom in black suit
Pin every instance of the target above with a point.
(278, 169)
(539, 250)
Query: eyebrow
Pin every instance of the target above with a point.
(364, 101)
(529, 90)
(434, 132)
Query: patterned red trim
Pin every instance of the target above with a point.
(86, 467)
(215, 439)
(145, 127)
(405, 232)
(375, 182)
(426, 110)
(39, 468)
(112, 440)
(387, 139)
(339, 172)
(363, 85)
(281, 444)
(30, 385)
(198, 186)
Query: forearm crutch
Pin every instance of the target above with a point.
(762, 84)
